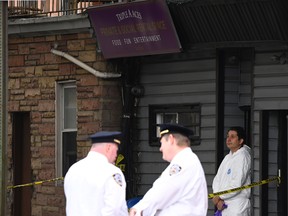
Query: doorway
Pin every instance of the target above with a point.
(21, 156)
(274, 161)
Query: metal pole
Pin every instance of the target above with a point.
(3, 103)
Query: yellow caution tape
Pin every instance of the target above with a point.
(245, 187)
(209, 195)
(35, 183)
(120, 157)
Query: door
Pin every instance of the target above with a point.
(22, 171)
(282, 163)
(274, 162)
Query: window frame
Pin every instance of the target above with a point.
(59, 120)
(176, 109)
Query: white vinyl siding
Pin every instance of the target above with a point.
(270, 90)
(183, 82)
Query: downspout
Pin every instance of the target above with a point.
(3, 99)
(85, 66)
(132, 92)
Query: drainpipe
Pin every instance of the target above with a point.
(3, 101)
(85, 66)
(132, 92)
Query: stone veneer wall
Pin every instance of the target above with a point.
(33, 71)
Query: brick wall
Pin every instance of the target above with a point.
(33, 71)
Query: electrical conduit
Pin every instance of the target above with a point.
(85, 66)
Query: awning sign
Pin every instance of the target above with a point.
(134, 29)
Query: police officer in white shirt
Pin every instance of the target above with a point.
(94, 186)
(181, 190)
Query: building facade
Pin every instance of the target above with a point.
(53, 106)
(232, 70)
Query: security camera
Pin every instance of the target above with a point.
(137, 91)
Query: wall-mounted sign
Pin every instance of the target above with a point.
(134, 29)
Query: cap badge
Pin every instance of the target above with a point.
(117, 141)
(164, 132)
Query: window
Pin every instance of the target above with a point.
(66, 121)
(186, 115)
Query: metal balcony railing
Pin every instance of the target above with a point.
(49, 8)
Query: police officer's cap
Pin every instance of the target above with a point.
(175, 128)
(106, 137)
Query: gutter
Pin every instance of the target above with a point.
(85, 66)
(39, 26)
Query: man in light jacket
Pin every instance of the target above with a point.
(234, 171)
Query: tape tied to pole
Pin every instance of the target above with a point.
(36, 183)
(209, 195)
(246, 187)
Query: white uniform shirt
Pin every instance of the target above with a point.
(235, 171)
(181, 190)
(95, 187)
